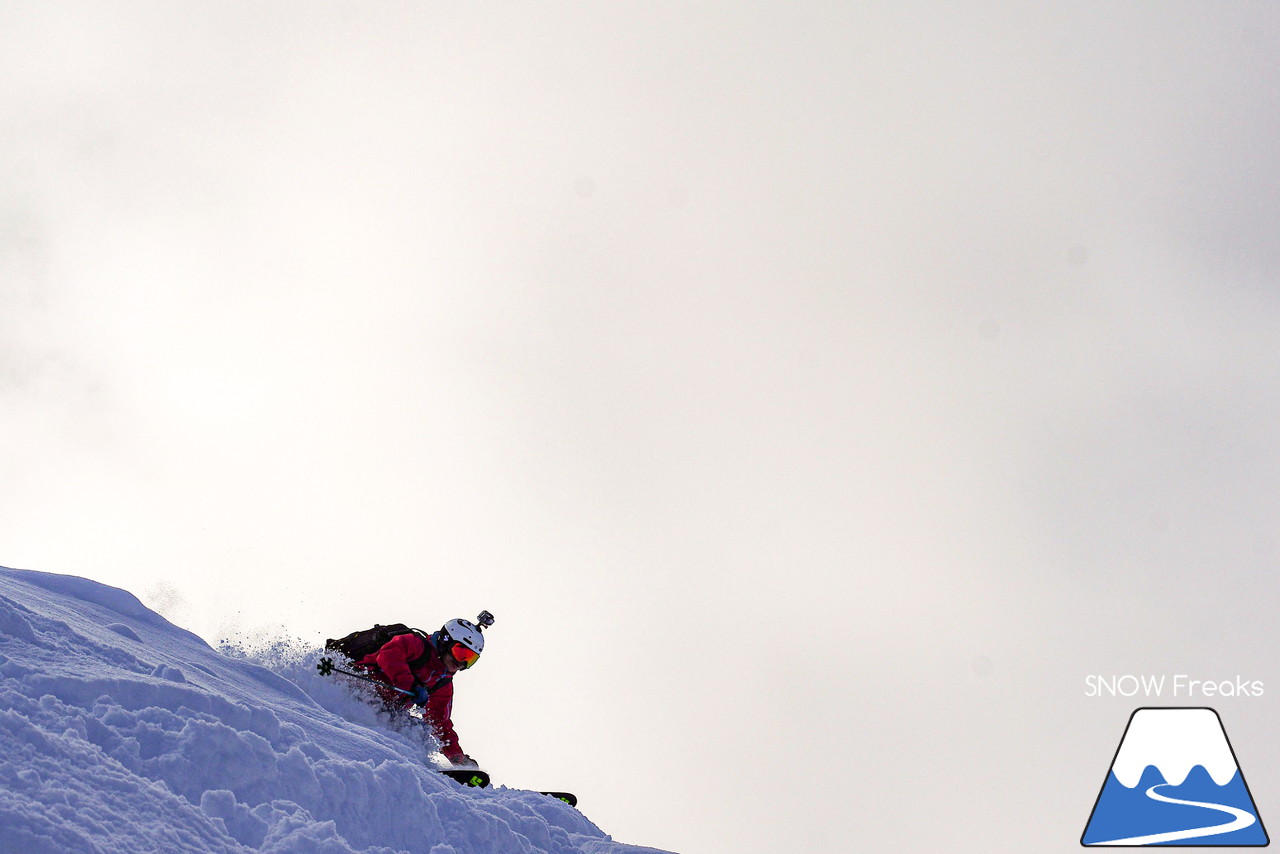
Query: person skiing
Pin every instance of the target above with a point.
(424, 665)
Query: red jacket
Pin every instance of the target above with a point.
(391, 664)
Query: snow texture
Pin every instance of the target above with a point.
(120, 733)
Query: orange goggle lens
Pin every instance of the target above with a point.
(465, 656)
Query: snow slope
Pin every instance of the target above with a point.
(120, 732)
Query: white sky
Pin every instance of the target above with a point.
(810, 390)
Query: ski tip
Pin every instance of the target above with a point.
(473, 777)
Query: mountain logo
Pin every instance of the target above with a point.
(1174, 781)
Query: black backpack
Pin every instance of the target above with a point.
(357, 645)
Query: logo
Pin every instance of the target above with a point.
(1174, 781)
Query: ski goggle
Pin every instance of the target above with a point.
(464, 655)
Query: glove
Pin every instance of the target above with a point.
(420, 695)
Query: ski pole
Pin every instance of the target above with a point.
(326, 667)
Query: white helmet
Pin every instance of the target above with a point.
(464, 632)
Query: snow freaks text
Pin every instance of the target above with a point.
(1179, 686)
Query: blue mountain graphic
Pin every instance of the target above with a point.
(1123, 813)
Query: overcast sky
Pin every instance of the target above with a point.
(816, 393)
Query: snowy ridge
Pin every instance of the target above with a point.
(120, 732)
(1174, 741)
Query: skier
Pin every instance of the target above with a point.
(425, 666)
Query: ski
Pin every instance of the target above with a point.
(467, 776)
(480, 779)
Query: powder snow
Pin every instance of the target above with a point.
(120, 732)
